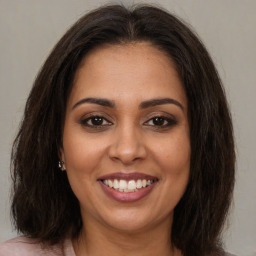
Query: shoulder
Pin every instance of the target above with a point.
(227, 254)
(23, 246)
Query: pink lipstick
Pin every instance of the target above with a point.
(127, 187)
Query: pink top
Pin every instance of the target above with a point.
(22, 246)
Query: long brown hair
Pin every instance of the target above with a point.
(43, 204)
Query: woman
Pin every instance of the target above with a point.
(126, 146)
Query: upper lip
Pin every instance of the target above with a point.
(127, 176)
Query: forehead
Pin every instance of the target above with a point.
(133, 70)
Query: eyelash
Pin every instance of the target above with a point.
(167, 122)
(84, 122)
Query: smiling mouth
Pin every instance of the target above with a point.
(128, 186)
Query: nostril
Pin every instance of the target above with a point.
(127, 153)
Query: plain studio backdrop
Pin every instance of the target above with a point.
(30, 28)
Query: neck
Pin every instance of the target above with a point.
(99, 240)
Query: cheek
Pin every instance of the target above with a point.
(173, 158)
(82, 157)
(174, 155)
(82, 154)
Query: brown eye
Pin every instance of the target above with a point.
(161, 122)
(95, 121)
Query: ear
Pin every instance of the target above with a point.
(62, 159)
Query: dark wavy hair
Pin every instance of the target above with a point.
(43, 204)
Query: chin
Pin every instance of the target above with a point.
(133, 221)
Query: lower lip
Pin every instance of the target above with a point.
(127, 196)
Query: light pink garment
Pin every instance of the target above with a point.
(22, 246)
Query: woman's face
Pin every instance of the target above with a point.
(126, 144)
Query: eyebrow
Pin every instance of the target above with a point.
(98, 101)
(162, 101)
(143, 105)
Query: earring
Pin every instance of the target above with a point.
(61, 165)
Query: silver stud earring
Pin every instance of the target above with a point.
(61, 165)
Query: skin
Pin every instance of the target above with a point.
(129, 140)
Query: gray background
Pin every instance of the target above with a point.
(30, 28)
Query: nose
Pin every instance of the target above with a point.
(127, 146)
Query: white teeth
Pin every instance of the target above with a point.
(127, 186)
(110, 183)
(131, 184)
(116, 184)
(139, 184)
(123, 184)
